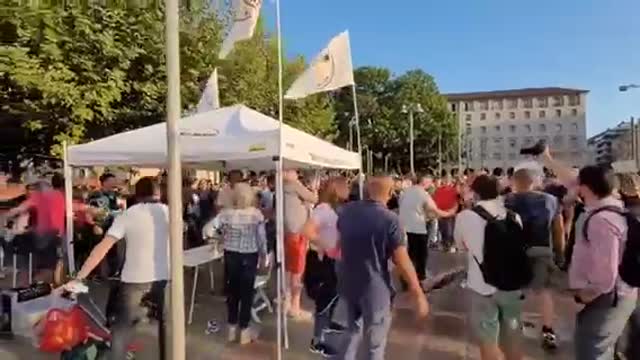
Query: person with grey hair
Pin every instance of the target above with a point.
(245, 242)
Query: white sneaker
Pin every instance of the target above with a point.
(245, 337)
(232, 333)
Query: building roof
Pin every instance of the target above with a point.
(514, 93)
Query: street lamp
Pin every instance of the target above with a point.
(410, 109)
(624, 88)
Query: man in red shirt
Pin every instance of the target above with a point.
(446, 197)
(48, 205)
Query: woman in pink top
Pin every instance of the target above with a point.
(320, 276)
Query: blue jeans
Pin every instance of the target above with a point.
(375, 327)
(600, 324)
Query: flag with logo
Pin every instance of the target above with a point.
(330, 70)
(245, 17)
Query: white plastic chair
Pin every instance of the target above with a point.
(261, 300)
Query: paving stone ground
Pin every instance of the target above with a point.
(443, 336)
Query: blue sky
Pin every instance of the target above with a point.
(474, 45)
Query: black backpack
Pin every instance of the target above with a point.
(629, 268)
(505, 265)
(535, 217)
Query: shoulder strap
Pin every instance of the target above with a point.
(610, 208)
(483, 213)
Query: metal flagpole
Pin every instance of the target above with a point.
(282, 335)
(359, 140)
(68, 206)
(177, 319)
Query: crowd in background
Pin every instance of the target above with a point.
(337, 247)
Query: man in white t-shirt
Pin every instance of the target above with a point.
(415, 206)
(145, 226)
(495, 315)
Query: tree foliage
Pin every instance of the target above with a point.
(78, 74)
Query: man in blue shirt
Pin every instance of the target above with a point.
(370, 236)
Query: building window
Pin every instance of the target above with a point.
(528, 141)
(558, 113)
(483, 116)
(453, 107)
(467, 118)
(512, 156)
(527, 127)
(512, 128)
(497, 140)
(512, 103)
(542, 102)
(468, 106)
(483, 129)
(497, 156)
(468, 131)
(542, 114)
(558, 127)
(527, 114)
(542, 128)
(484, 105)
(496, 105)
(574, 100)
(573, 141)
(558, 140)
(512, 115)
(513, 142)
(497, 127)
(558, 100)
(574, 126)
(497, 116)
(574, 112)
(527, 103)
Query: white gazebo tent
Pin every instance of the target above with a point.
(233, 137)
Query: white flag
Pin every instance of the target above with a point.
(245, 17)
(210, 99)
(330, 70)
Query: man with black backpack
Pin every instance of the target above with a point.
(498, 270)
(542, 223)
(605, 266)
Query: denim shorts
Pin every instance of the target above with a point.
(496, 319)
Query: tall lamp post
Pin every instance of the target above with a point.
(410, 109)
(635, 133)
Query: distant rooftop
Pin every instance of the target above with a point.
(514, 93)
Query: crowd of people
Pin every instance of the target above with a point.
(520, 230)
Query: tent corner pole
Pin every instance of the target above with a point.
(282, 329)
(177, 344)
(68, 207)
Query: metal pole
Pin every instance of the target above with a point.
(359, 140)
(459, 115)
(175, 180)
(68, 206)
(633, 138)
(282, 333)
(439, 153)
(411, 160)
(351, 134)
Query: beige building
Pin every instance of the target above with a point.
(612, 145)
(496, 124)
